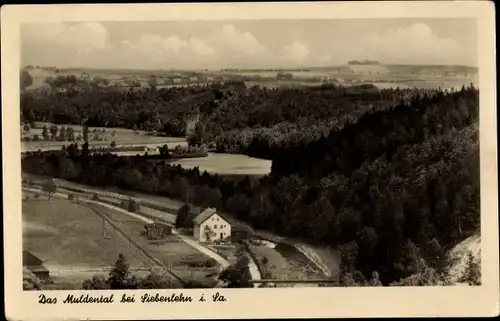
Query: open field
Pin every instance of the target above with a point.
(171, 251)
(70, 237)
(227, 164)
(104, 136)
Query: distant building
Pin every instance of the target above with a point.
(193, 79)
(210, 226)
(177, 81)
(35, 265)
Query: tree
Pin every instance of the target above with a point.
(50, 187)
(113, 144)
(118, 276)
(184, 217)
(237, 275)
(45, 133)
(85, 133)
(472, 273)
(375, 281)
(25, 79)
(53, 132)
(30, 280)
(70, 134)
(97, 282)
(62, 133)
(26, 128)
(156, 279)
(153, 82)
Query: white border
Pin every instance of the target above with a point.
(257, 303)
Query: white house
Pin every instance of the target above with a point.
(210, 226)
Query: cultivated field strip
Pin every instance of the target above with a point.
(145, 218)
(155, 262)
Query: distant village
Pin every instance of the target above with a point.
(355, 72)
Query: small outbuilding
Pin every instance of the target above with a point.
(155, 231)
(35, 265)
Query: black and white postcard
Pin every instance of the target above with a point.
(249, 160)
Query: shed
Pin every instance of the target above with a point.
(240, 233)
(155, 231)
(35, 265)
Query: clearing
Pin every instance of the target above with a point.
(71, 241)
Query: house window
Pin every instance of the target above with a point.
(217, 218)
(215, 226)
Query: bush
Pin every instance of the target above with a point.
(95, 197)
(70, 197)
(199, 263)
(36, 196)
(210, 263)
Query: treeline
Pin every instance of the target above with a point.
(394, 194)
(166, 110)
(229, 116)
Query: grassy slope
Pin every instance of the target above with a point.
(171, 251)
(70, 236)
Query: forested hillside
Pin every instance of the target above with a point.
(393, 187)
(255, 121)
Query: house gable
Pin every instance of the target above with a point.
(215, 219)
(209, 214)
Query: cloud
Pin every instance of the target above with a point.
(200, 47)
(84, 36)
(226, 45)
(414, 44)
(238, 42)
(296, 51)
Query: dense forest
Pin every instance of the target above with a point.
(393, 187)
(230, 115)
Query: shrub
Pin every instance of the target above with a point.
(36, 196)
(210, 263)
(95, 197)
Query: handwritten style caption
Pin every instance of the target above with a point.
(130, 298)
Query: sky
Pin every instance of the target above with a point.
(248, 43)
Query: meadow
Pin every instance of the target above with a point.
(171, 251)
(70, 239)
(100, 137)
(227, 164)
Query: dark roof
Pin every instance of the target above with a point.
(240, 228)
(204, 215)
(30, 260)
